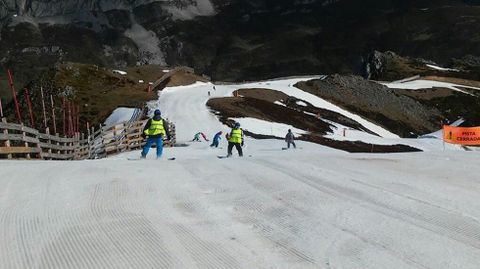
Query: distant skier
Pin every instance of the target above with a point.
(216, 139)
(208, 93)
(196, 138)
(290, 139)
(235, 138)
(155, 131)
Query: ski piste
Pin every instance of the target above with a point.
(227, 157)
(158, 159)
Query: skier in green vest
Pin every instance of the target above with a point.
(155, 131)
(235, 138)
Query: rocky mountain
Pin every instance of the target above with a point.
(238, 39)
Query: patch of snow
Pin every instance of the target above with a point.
(279, 103)
(141, 81)
(123, 73)
(301, 103)
(425, 143)
(148, 44)
(264, 127)
(439, 134)
(442, 68)
(120, 115)
(427, 84)
(165, 70)
(189, 12)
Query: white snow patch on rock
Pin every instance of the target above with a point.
(301, 103)
(148, 44)
(427, 84)
(123, 73)
(119, 115)
(442, 68)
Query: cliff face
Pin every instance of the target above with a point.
(48, 8)
(236, 39)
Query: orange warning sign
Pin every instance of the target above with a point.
(461, 135)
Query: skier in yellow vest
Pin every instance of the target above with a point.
(235, 138)
(155, 131)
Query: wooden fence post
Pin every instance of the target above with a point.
(7, 141)
(24, 136)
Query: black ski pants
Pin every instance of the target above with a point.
(238, 146)
(291, 142)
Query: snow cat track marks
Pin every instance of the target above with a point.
(150, 251)
(364, 239)
(205, 254)
(11, 218)
(276, 230)
(469, 233)
(251, 209)
(276, 227)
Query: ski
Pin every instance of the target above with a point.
(139, 159)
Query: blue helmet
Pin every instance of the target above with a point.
(157, 112)
(237, 125)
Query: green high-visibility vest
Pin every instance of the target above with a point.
(156, 128)
(236, 136)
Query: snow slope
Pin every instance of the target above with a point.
(427, 84)
(119, 115)
(309, 208)
(186, 105)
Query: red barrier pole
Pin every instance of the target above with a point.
(64, 117)
(1, 109)
(14, 95)
(74, 121)
(44, 111)
(53, 115)
(78, 119)
(70, 123)
(29, 105)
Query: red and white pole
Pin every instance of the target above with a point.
(29, 105)
(44, 110)
(14, 95)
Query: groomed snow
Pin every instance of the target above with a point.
(308, 208)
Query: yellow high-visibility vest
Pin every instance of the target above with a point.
(236, 136)
(156, 128)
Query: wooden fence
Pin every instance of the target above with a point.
(19, 141)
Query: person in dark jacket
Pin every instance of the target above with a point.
(216, 139)
(235, 138)
(290, 139)
(155, 131)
